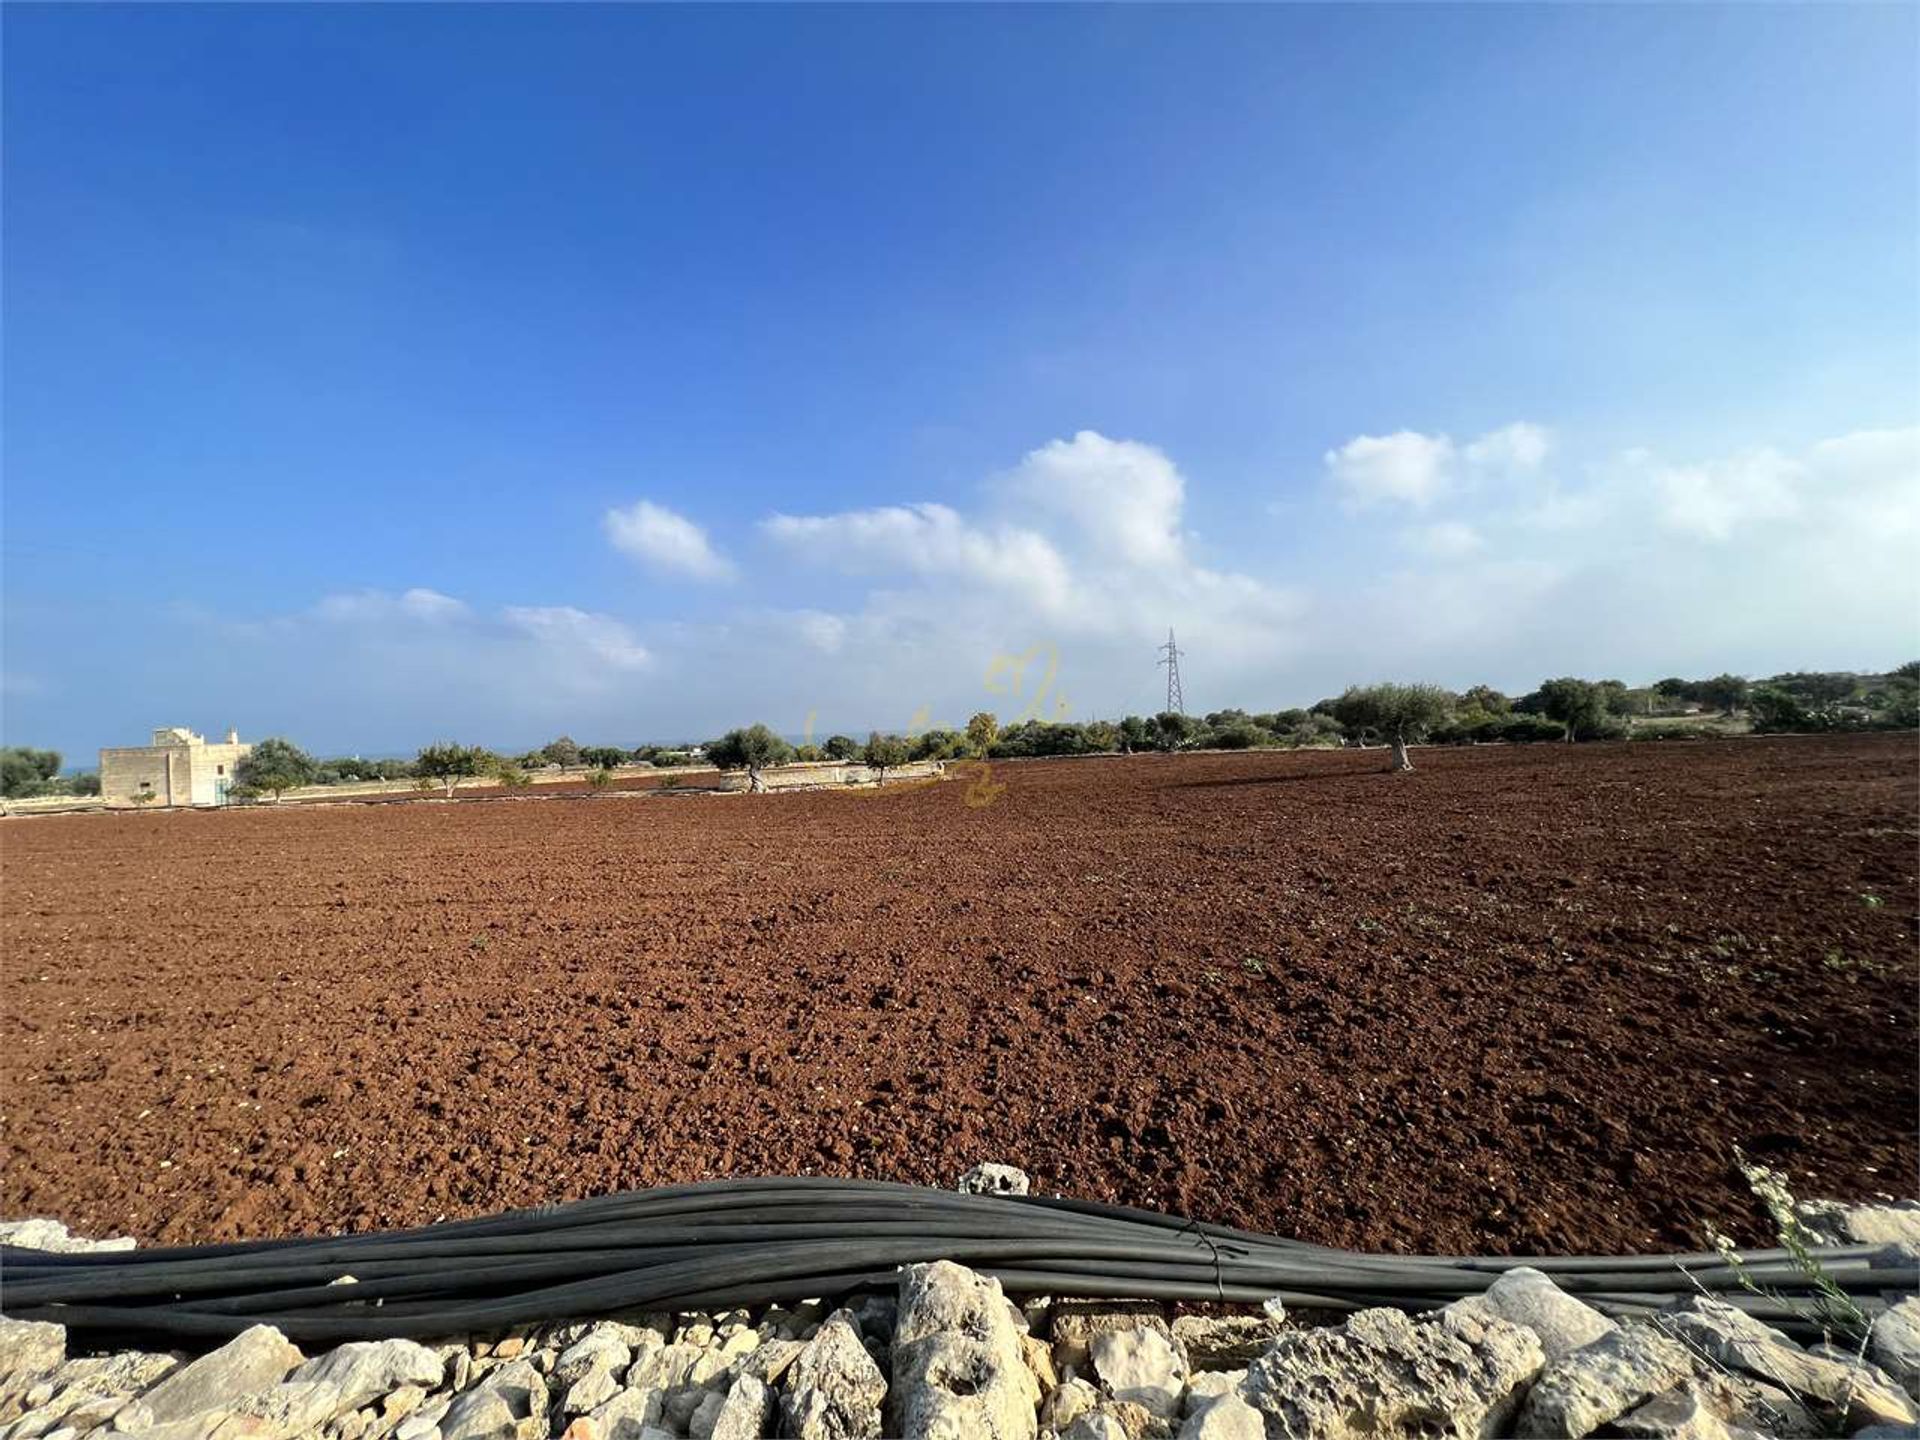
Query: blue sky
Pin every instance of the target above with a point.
(381, 373)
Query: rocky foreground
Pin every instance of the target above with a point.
(949, 1356)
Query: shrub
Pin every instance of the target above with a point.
(600, 779)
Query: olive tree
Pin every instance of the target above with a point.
(884, 753)
(1399, 714)
(1726, 693)
(1579, 705)
(752, 750)
(276, 766)
(449, 764)
(982, 730)
(23, 769)
(562, 751)
(841, 747)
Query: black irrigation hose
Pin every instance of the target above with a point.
(727, 1244)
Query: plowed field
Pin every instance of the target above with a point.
(1525, 999)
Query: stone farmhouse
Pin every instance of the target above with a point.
(178, 768)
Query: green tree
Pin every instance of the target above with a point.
(275, 765)
(448, 764)
(1172, 729)
(937, 745)
(22, 769)
(751, 749)
(87, 782)
(1485, 697)
(982, 730)
(1579, 705)
(602, 757)
(1726, 693)
(884, 753)
(841, 748)
(1399, 714)
(562, 751)
(809, 754)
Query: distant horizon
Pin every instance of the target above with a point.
(819, 735)
(635, 369)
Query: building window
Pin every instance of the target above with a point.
(146, 784)
(219, 769)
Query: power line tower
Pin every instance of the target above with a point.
(1176, 702)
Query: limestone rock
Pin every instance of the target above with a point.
(1840, 1224)
(496, 1408)
(746, 1413)
(54, 1237)
(958, 1366)
(1038, 1356)
(1076, 1322)
(834, 1388)
(1383, 1375)
(628, 1416)
(1067, 1404)
(1600, 1381)
(1894, 1344)
(253, 1362)
(992, 1179)
(602, 1347)
(364, 1371)
(1683, 1413)
(1143, 1367)
(1118, 1420)
(1731, 1338)
(770, 1361)
(1209, 1385)
(1224, 1342)
(1227, 1418)
(30, 1347)
(590, 1391)
(706, 1415)
(1525, 1296)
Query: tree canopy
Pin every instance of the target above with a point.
(1399, 714)
(450, 763)
(24, 770)
(274, 766)
(884, 753)
(752, 749)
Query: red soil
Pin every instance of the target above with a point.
(1525, 999)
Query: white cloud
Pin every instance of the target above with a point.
(1443, 540)
(570, 632)
(1125, 498)
(927, 540)
(419, 603)
(1416, 470)
(1519, 446)
(1405, 467)
(665, 541)
(1713, 499)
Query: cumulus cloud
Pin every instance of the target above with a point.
(1124, 498)
(1519, 446)
(927, 540)
(665, 541)
(418, 603)
(1714, 499)
(570, 632)
(1418, 471)
(1443, 540)
(1405, 467)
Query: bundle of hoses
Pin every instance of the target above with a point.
(743, 1243)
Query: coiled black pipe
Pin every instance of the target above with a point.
(736, 1243)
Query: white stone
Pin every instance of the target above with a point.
(834, 1389)
(1382, 1375)
(1525, 1296)
(1227, 1418)
(1143, 1367)
(958, 1364)
(1585, 1388)
(993, 1179)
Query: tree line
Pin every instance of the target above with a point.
(1393, 715)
